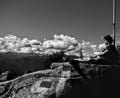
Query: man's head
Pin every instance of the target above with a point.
(108, 39)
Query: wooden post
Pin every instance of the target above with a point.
(114, 20)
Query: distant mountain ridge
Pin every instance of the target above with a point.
(20, 63)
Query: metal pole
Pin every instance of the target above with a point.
(114, 20)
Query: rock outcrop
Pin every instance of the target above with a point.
(51, 83)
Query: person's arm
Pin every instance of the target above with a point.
(103, 53)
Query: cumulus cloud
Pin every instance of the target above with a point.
(99, 49)
(62, 42)
(25, 50)
(86, 44)
(101, 46)
(11, 43)
(25, 41)
(93, 46)
(88, 48)
(35, 42)
(58, 43)
(55, 44)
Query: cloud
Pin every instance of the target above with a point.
(93, 46)
(14, 44)
(55, 44)
(101, 46)
(25, 41)
(25, 50)
(62, 42)
(88, 48)
(86, 44)
(58, 43)
(35, 42)
(99, 49)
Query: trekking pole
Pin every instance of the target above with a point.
(114, 20)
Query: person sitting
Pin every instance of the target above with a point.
(109, 56)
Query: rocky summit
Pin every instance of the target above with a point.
(57, 82)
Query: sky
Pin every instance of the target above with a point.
(87, 20)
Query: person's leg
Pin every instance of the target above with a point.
(75, 65)
(96, 61)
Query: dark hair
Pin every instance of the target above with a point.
(108, 38)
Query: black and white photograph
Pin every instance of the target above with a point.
(59, 48)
